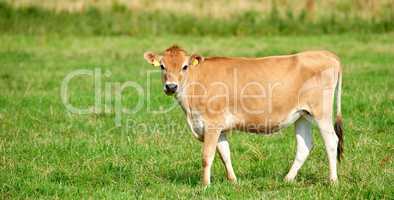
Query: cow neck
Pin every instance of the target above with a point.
(183, 94)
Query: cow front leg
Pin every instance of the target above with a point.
(210, 142)
(224, 151)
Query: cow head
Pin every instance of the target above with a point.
(174, 64)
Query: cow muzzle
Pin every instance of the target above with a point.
(170, 88)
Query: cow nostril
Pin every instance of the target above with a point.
(171, 87)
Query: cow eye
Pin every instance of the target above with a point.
(185, 67)
(162, 67)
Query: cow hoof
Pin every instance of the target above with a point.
(205, 187)
(232, 179)
(289, 179)
(333, 182)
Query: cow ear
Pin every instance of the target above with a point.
(195, 59)
(152, 58)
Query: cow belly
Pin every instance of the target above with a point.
(270, 126)
(262, 128)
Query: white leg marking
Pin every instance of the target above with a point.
(331, 142)
(304, 146)
(224, 151)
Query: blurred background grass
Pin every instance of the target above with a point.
(48, 153)
(196, 17)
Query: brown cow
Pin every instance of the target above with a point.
(260, 95)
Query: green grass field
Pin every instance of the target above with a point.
(47, 152)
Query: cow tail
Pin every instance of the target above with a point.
(338, 127)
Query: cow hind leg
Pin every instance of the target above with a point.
(304, 140)
(331, 143)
